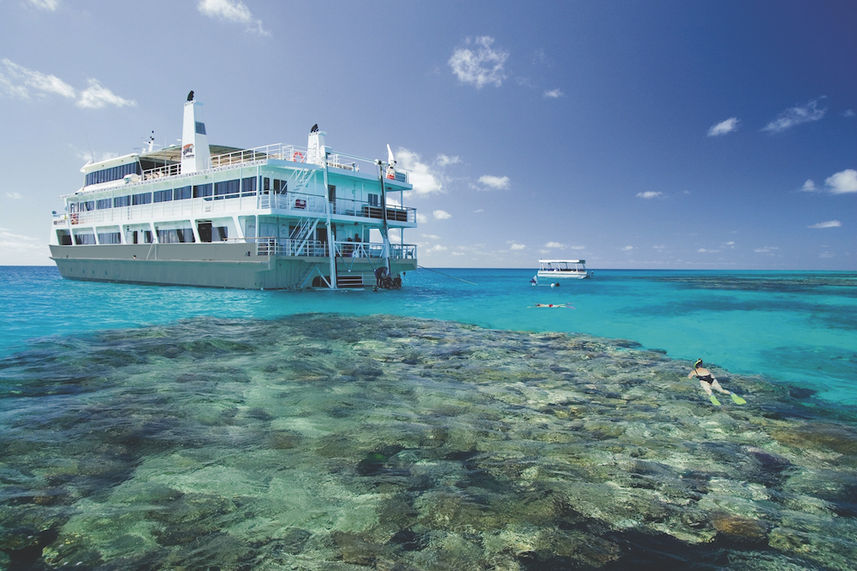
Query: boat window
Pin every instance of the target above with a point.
(175, 235)
(226, 189)
(103, 203)
(121, 201)
(113, 173)
(181, 193)
(248, 186)
(64, 238)
(280, 185)
(109, 238)
(87, 206)
(87, 238)
(374, 200)
(142, 198)
(221, 233)
(266, 183)
(200, 127)
(201, 190)
(163, 195)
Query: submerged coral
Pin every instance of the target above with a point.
(329, 441)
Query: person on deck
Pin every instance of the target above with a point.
(707, 381)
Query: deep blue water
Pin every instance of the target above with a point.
(793, 327)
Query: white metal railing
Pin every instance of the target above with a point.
(271, 246)
(298, 204)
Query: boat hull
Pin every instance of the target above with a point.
(233, 265)
(563, 275)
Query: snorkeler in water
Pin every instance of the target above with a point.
(707, 381)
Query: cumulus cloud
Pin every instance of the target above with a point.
(18, 81)
(724, 127)
(479, 63)
(650, 194)
(826, 224)
(232, 11)
(97, 96)
(446, 160)
(842, 182)
(48, 5)
(516, 247)
(808, 186)
(441, 215)
(796, 116)
(420, 174)
(14, 195)
(554, 93)
(495, 182)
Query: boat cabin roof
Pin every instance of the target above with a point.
(562, 261)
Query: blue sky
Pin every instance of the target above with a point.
(658, 134)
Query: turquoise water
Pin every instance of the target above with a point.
(449, 425)
(794, 327)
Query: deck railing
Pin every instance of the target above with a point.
(294, 203)
(313, 248)
(276, 151)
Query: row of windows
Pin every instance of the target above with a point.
(113, 173)
(219, 190)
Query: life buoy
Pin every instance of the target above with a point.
(298, 157)
(74, 218)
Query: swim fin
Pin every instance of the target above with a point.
(714, 401)
(736, 399)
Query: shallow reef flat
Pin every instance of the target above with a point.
(326, 441)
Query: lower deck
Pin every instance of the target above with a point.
(243, 265)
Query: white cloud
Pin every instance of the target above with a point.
(767, 250)
(650, 194)
(479, 211)
(480, 66)
(232, 11)
(729, 244)
(554, 93)
(495, 182)
(18, 81)
(515, 246)
(724, 127)
(420, 174)
(431, 236)
(842, 182)
(437, 248)
(16, 242)
(441, 215)
(849, 113)
(808, 186)
(826, 224)
(49, 5)
(14, 195)
(421, 218)
(555, 245)
(627, 248)
(796, 116)
(24, 83)
(97, 96)
(446, 160)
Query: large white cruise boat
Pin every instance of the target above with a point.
(272, 217)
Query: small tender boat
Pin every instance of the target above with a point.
(550, 270)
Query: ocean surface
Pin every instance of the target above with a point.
(793, 327)
(452, 424)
